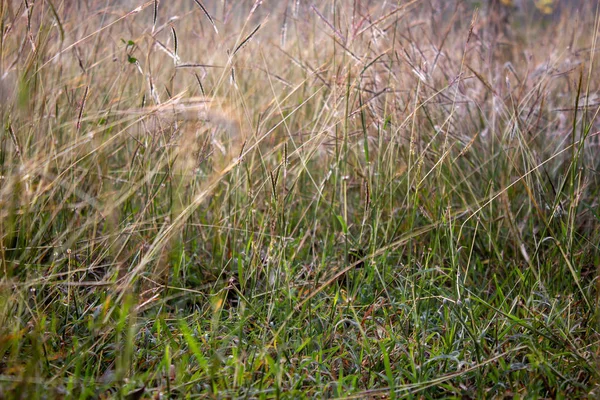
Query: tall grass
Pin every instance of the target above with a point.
(346, 199)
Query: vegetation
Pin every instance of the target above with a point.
(283, 200)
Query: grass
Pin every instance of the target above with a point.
(352, 199)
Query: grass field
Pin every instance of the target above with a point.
(353, 199)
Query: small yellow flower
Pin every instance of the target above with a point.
(545, 6)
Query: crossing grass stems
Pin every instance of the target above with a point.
(285, 200)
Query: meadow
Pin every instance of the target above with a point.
(287, 199)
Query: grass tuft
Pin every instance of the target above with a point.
(273, 200)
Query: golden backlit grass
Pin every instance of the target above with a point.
(347, 199)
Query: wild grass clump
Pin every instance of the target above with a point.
(350, 199)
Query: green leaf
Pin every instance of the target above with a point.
(343, 224)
